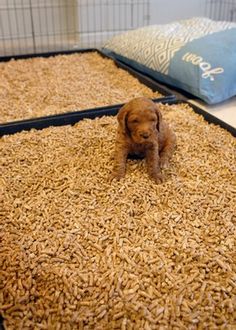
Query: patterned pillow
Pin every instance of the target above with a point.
(197, 55)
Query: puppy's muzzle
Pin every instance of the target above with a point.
(144, 135)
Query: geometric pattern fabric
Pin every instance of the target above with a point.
(154, 46)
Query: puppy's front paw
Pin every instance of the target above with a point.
(157, 177)
(164, 163)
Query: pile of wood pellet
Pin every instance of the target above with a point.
(46, 86)
(80, 252)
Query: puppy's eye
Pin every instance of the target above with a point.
(134, 121)
(153, 119)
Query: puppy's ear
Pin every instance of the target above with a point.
(122, 118)
(159, 118)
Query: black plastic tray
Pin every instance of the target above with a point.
(68, 118)
(149, 82)
(72, 118)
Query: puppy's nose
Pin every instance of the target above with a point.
(145, 135)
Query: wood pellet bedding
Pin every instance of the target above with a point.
(81, 252)
(46, 86)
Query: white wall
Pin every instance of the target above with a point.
(165, 11)
(98, 20)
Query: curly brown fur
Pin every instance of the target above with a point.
(143, 132)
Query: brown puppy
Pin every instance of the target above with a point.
(143, 132)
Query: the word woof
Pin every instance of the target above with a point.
(208, 71)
